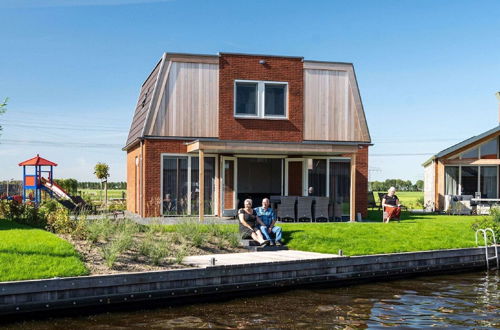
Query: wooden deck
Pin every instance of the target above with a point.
(254, 258)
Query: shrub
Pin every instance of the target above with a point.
(492, 221)
(113, 249)
(58, 221)
(23, 213)
(154, 248)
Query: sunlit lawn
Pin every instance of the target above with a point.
(413, 233)
(98, 194)
(28, 253)
(409, 198)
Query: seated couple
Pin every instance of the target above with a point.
(259, 224)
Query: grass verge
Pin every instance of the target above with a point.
(413, 233)
(28, 253)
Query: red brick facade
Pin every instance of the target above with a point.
(244, 67)
(362, 182)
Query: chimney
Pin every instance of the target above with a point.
(497, 94)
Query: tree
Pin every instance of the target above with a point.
(420, 185)
(3, 108)
(101, 171)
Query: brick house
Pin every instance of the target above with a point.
(209, 131)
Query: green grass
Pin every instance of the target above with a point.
(405, 197)
(413, 233)
(97, 194)
(28, 253)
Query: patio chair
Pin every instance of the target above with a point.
(385, 214)
(286, 210)
(321, 208)
(304, 208)
(371, 201)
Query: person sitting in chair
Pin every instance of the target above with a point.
(390, 205)
(268, 217)
(249, 224)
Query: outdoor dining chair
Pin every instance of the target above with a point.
(286, 210)
(304, 208)
(321, 208)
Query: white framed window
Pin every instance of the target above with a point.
(260, 99)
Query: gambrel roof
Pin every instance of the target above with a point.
(180, 99)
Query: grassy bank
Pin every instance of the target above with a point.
(28, 253)
(413, 233)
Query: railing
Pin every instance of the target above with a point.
(485, 232)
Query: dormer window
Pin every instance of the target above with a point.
(260, 99)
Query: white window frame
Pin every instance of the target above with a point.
(189, 157)
(261, 101)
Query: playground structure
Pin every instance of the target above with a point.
(38, 175)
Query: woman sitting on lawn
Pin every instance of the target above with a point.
(390, 205)
(250, 223)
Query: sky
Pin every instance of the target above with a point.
(72, 69)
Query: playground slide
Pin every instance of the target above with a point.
(56, 189)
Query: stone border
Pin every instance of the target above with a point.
(33, 296)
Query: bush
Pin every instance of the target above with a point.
(113, 249)
(23, 213)
(492, 221)
(154, 248)
(58, 221)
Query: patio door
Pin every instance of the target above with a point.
(294, 177)
(229, 204)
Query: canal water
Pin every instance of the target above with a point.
(469, 300)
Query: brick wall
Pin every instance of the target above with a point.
(233, 67)
(152, 176)
(131, 179)
(362, 181)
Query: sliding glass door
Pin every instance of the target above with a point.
(180, 185)
(340, 186)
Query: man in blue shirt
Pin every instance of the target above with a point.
(268, 217)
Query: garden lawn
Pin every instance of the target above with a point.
(408, 198)
(415, 233)
(98, 194)
(28, 253)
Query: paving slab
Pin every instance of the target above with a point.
(253, 257)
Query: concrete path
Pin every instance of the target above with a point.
(254, 257)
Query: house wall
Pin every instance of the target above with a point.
(131, 179)
(233, 67)
(332, 108)
(429, 183)
(189, 101)
(362, 181)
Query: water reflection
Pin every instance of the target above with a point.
(461, 300)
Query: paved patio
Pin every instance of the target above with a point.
(254, 258)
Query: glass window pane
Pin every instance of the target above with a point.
(471, 154)
(209, 185)
(175, 185)
(451, 180)
(316, 169)
(340, 188)
(246, 98)
(489, 182)
(489, 149)
(258, 178)
(275, 100)
(469, 180)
